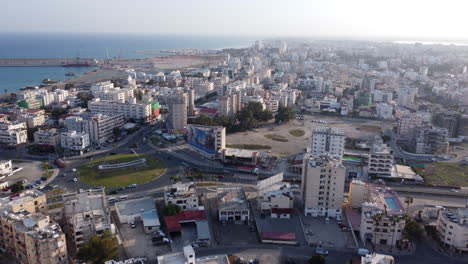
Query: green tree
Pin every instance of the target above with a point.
(172, 209)
(17, 187)
(316, 259)
(116, 131)
(99, 249)
(413, 230)
(58, 112)
(284, 114)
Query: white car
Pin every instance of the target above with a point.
(327, 220)
(321, 251)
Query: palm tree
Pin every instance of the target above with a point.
(395, 219)
(408, 201)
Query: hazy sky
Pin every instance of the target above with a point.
(391, 19)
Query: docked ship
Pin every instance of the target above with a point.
(69, 74)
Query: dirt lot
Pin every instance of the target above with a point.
(354, 128)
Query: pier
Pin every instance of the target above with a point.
(76, 62)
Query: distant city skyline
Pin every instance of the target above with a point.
(361, 19)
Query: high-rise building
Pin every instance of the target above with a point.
(323, 179)
(191, 102)
(27, 233)
(448, 120)
(407, 125)
(430, 140)
(327, 140)
(177, 118)
(101, 127)
(380, 160)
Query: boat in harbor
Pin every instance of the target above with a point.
(69, 74)
(48, 81)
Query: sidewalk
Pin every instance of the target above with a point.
(394, 251)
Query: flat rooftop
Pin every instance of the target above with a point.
(231, 199)
(240, 153)
(136, 206)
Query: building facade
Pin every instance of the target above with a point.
(323, 179)
(452, 227)
(13, 133)
(139, 111)
(28, 234)
(183, 195)
(75, 142)
(327, 140)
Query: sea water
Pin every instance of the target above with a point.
(98, 46)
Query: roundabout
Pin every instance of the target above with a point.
(121, 170)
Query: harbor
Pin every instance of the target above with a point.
(63, 62)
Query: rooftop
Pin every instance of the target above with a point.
(240, 153)
(136, 206)
(232, 199)
(328, 130)
(459, 216)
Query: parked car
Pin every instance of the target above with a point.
(327, 220)
(321, 251)
(132, 224)
(43, 178)
(131, 186)
(362, 251)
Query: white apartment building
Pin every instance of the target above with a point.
(272, 105)
(278, 195)
(406, 96)
(375, 258)
(382, 213)
(13, 133)
(100, 127)
(201, 88)
(408, 123)
(452, 226)
(182, 194)
(50, 137)
(129, 110)
(380, 96)
(6, 167)
(76, 142)
(384, 111)
(86, 214)
(380, 160)
(177, 118)
(323, 179)
(60, 95)
(327, 140)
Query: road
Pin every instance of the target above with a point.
(273, 254)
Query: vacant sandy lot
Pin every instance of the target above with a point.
(354, 128)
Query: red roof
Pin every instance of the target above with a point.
(173, 222)
(278, 236)
(210, 111)
(282, 211)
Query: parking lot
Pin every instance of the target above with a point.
(138, 244)
(328, 235)
(186, 237)
(31, 171)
